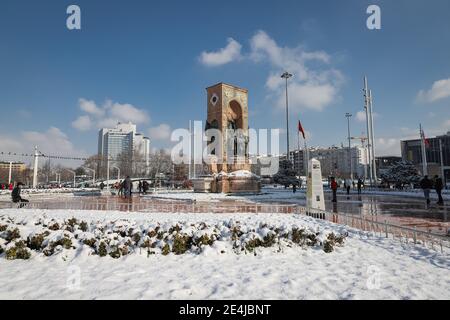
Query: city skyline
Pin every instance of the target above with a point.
(62, 86)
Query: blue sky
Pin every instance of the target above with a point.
(150, 61)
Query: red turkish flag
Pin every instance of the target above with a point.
(300, 129)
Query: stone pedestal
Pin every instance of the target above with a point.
(202, 185)
(228, 183)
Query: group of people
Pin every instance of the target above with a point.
(426, 184)
(5, 186)
(125, 187)
(437, 184)
(348, 184)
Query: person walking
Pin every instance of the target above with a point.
(348, 185)
(121, 184)
(145, 186)
(334, 188)
(128, 185)
(438, 186)
(294, 188)
(360, 183)
(426, 186)
(140, 186)
(15, 195)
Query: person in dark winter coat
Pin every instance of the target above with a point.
(439, 185)
(121, 188)
(360, 183)
(145, 186)
(15, 195)
(426, 186)
(140, 186)
(128, 186)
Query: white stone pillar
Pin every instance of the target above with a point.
(314, 195)
(35, 171)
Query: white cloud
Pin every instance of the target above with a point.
(10, 144)
(108, 115)
(391, 145)
(107, 123)
(82, 123)
(387, 147)
(50, 142)
(439, 90)
(361, 116)
(308, 89)
(161, 132)
(308, 96)
(223, 56)
(127, 112)
(90, 107)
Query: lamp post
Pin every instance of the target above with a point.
(286, 76)
(348, 116)
(369, 134)
(10, 172)
(93, 177)
(118, 171)
(74, 176)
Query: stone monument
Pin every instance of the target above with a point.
(314, 193)
(229, 164)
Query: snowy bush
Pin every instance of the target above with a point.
(120, 238)
(18, 251)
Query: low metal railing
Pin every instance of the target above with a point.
(381, 229)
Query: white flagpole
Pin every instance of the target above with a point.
(190, 148)
(424, 154)
(307, 158)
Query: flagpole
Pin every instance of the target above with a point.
(298, 152)
(307, 158)
(424, 154)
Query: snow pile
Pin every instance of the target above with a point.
(121, 237)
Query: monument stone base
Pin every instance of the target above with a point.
(202, 185)
(234, 182)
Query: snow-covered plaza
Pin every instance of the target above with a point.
(221, 265)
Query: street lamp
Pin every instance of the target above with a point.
(74, 176)
(286, 76)
(348, 115)
(118, 171)
(93, 177)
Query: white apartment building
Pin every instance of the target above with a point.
(123, 139)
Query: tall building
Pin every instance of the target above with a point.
(336, 162)
(298, 159)
(123, 140)
(437, 150)
(15, 166)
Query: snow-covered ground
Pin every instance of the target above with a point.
(5, 195)
(266, 194)
(363, 268)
